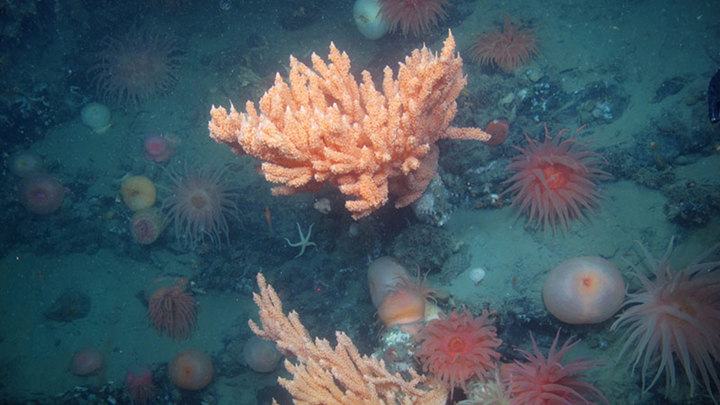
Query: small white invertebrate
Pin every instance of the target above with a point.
(477, 275)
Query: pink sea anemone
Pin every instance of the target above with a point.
(414, 16)
(554, 180)
(140, 64)
(159, 147)
(200, 205)
(544, 380)
(384, 274)
(457, 347)
(87, 361)
(506, 49)
(41, 193)
(584, 290)
(146, 225)
(139, 385)
(171, 309)
(675, 318)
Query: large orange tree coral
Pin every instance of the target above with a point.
(324, 126)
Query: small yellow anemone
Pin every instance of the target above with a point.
(138, 192)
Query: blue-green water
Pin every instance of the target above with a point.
(633, 74)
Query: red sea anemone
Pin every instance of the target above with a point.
(543, 381)
(171, 309)
(200, 205)
(416, 16)
(499, 129)
(554, 180)
(506, 49)
(457, 347)
(140, 64)
(41, 193)
(675, 317)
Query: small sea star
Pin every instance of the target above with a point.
(304, 240)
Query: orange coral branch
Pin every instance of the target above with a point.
(324, 126)
(340, 375)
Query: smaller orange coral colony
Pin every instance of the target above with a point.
(324, 126)
(322, 374)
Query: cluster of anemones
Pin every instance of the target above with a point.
(461, 348)
(198, 208)
(672, 321)
(39, 192)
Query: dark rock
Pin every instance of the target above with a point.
(436, 246)
(652, 178)
(544, 99)
(266, 395)
(691, 205)
(68, 306)
(299, 15)
(668, 88)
